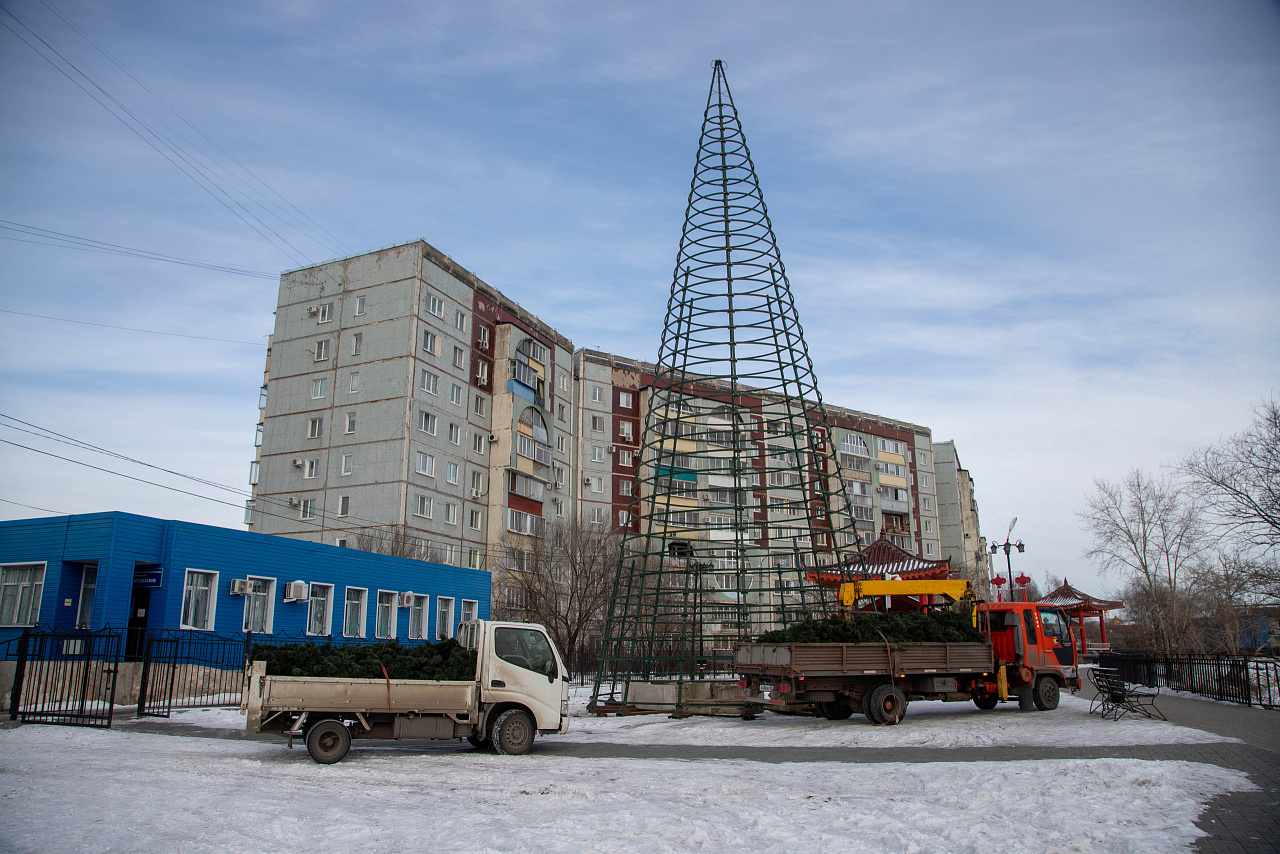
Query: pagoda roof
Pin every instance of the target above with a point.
(882, 559)
(1067, 596)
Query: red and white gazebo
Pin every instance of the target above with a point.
(1079, 607)
(883, 559)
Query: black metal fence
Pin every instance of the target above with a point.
(191, 669)
(1236, 678)
(65, 678)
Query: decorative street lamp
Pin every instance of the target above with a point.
(998, 581)
(1023, 580)
(1008, 546)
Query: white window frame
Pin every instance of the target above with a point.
(307, 509)
(426, 422)
(34, 602)
(268, 618)
(357, 343)
(359, 306)
(562, 380)
(315, 427)
(312, 469)
(348, 466)
(353, 383)
(364, 608)
(435, 306)
(478, 405)
(455, 394)
(327, 617)
(451, 473)
(393, 616)
(83, 620)
(430, 342)
(597, 454)
(322, 350)
(418, 629)
(472, 606)
(344, 505)
(420, 502)
(455, 434)
(597, 423)
(326, 313)
(430, 383)
(478, 443)
(624, 400)
(475, 519)
(212, 607)
(460, 321)
(318, 387)
(459, 356)
(351, 422)
(444, 608)
(597, 394)
(425, 464)
(450, 513)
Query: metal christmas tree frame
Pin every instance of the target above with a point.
(739, 504)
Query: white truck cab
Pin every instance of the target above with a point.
(517, 665)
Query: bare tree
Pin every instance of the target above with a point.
(1238, 481)
(1150, 531)
(393, 540)
(565, 583)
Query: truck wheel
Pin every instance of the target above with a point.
(886, 705)
(1046, 694)
(480, 743)
(328, 741)
(835, 710)
(986, 702)
(512, 733)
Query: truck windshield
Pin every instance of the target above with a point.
(526, 648)
(1054, 625)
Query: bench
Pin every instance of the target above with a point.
(1117, 698)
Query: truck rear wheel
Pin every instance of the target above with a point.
(986, 702)
(328, 741)
(512, 733)
(835, 710)
(886, 705)
(1046, 694)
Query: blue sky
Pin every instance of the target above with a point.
(1047, 233)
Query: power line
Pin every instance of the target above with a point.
(33, 507)
(71, 241)
(131, 328)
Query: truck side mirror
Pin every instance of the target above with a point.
(550, 669)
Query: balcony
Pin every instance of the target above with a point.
(890, 505)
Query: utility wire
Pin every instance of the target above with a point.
(48, 237)
(132, 329)
(33, 507)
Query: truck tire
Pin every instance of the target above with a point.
(328, 741)
(512, 733)
(1046, 694)
(835, 710)
(986, 702)
(886, 705)
(480, 743)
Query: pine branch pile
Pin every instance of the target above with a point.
(445, 661)
(938, 627)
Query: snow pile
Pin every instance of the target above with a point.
(76, 790)
(927, 724)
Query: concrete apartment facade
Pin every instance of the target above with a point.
(962, 539)
(402, 392)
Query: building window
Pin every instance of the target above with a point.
(455, 395)
(519, 522)
(474, 519)
(322, 349)
(451, 472)
(624, 458)
(597, 423)
(320, 609)
(344, 505)
(354, 385)
(923, 457)
(926, 503)
(475, 559)
(928, 548)
(351, 422)
(426, 464)
(624, 400)
(563, 382)
(359, 306)
(429, 382)
(308, 509)
(478, 443)
(624, 430)
(928, 526)
(893, 447)
(353, 613)
(259, 604)
(199, 600)
(477, 484)
(426, 422)
(470, 610)
(482, 374)
(418, 615)
(926, 481)
(434, 305)
(422, 506)
(597, 454)
(597, 394)
(385, 625)
(560, 412)
(357, 343)
(484, 337)
(317, 388)
(460, 321)
(478, 405)
(21, 587)
(312, 469)
(444, 617)
(458, 357)
(255, 468)
(429, 342)
(558, 473)
(624, 487)
(455, 434)
(326, 312)
(597, 515)
(257, 436)
(558, 506)
(314, 427)
(597, 484)
(623, 518)
(560, 444)
(262, 398)
(450, 513)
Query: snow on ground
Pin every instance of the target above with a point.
(68, 789)
(927, 724)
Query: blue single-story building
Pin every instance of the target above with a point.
(119, 570)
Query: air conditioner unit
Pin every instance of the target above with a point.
(611, 449)
(493, 437)
(406, 599)
(295, 591)
(239, 586)
(586, 481)
(476, 493)
(293, 502)
(297, 462)
(313, 309)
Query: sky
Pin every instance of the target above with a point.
(1045, 232)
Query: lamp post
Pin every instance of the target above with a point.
(1008, 546)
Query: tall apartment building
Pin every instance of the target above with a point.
(402, 393)
(887, 465)
(962, 539)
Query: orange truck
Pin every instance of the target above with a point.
(1029, 656)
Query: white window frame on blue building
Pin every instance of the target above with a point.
(320, 606)
(359, 613)
(191, 600)
(20, 592)
(259, 604)
(386, 615)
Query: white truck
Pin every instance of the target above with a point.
(519, 690)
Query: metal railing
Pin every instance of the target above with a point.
(65, 677)
(1235, 678)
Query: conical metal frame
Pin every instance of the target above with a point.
(739, 504)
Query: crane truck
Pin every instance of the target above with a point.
(1028, 655)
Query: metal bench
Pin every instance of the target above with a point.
(1117, 698)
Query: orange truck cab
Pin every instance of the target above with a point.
(1033, 642)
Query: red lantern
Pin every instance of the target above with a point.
(1023, 580)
